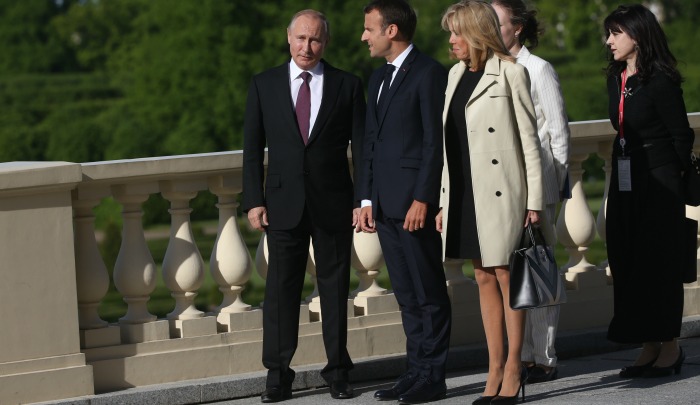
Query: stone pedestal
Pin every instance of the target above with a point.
(239, 321)
(185, 328)
(144, 332)
(377, 304)
(109, 336)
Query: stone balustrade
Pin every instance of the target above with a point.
(53, 277)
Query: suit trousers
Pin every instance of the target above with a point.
(417, 277)
(288, 256)
(541, 323)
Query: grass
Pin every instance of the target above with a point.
(209, 297)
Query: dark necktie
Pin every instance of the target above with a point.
(303, 107)
(388, 73)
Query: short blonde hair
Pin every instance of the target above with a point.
(477, 23)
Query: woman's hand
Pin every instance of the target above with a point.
(438, 221)
(532, 217)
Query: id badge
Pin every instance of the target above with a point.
(624, 175)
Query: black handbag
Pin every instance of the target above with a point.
(692, 182)
(534, 278)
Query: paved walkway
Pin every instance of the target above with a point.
(582, 380)
(588, 368)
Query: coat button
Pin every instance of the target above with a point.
(498, 193)
(443, 189)
(494, 161)
(491, 130)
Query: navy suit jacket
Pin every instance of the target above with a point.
(316, 175)
(402, 154)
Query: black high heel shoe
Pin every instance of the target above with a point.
(675, 368)
(486, 399)
(503, 400)
(636, 371)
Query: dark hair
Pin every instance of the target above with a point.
(652, 49)
(397, 12)
(519, 15)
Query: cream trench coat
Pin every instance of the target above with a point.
(505, 157)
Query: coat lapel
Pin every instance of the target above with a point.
(491, 71)
(286, 104)
(396, 83)
(331, 84)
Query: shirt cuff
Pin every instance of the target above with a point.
(365, 203)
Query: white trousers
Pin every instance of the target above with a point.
(541, 323)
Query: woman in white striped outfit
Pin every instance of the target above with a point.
(518, 26)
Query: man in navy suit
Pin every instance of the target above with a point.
(399, 188)
(306, 112)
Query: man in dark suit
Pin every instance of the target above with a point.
(399, 189)
(307, 112)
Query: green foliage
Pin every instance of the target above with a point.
(111, 79)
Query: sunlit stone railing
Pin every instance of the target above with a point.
(189, 343)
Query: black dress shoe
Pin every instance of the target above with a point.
(653, 372)
(424, 390)
(276, 394)
(635, 371)
(539, 374)
(341, 390)
(403, 384)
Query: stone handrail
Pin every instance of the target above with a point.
(52, 268)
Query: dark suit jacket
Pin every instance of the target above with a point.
(316, 175)
(402, 155)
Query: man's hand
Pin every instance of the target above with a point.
(415, 217)
(258, 218)
(356, 219)
(366, 222)
(438, 221)
(532, 217)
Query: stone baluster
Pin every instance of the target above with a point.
(454, 273)
(576, 225)
(183, 267)
(134, 270)
(367, 260)
(90, 270)
(606, 154)
(230, 262)
(311, 271)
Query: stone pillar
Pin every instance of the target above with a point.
(91, 273)
(183, 267)
(576, 225)
(40, 357)
(230, 263)
(367, 259)
(135, 271)
(606, 155)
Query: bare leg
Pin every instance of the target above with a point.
(515, 327)
(668, 353)
(650, 352)
(491, 304)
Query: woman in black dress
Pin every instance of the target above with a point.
(647, 231)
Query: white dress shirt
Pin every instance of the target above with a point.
(315, 85)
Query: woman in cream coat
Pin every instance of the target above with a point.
(493, 152)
